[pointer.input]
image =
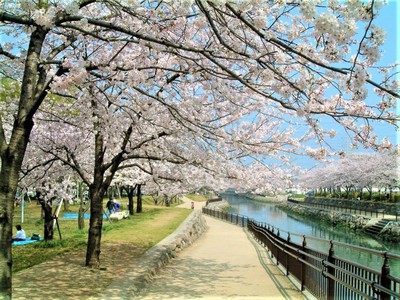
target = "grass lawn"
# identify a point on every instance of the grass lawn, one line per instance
(143, 230)
(197, 197)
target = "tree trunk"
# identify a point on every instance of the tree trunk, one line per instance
(166, 201)
(12, 154)
(97, 191)
(130, 190)
(81, 217)
(11, 161)
(96, 224)
(47, 213)
(110, 194)
(48, 221)
(8, 187)
(66, 205)
(81, 211)
(119, 192)
(139, 199)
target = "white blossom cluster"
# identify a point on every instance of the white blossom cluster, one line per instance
(355, 172)
(201, 91)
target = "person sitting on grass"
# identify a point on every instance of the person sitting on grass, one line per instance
(116, 205)
(20, 236)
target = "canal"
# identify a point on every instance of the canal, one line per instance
(271, 214)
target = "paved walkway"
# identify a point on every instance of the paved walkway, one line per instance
(225, 262)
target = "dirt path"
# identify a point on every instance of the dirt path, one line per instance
(68, 278)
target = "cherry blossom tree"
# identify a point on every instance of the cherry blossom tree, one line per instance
(112, 133)
(389, 168)
(156, 145)
(356, 172)
(241, 77)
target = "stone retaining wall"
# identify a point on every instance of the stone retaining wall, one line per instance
(157, 257)
(218, 205)
(391, 232)
(389, 208)
(353, 221)
(260, 198)
(333, 217)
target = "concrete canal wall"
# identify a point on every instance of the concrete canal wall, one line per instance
(218, 204)
(391, 232)
(389, 208)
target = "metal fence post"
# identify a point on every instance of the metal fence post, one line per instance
(303, 266)
(385, 281)
(331, 271)
(287, 254)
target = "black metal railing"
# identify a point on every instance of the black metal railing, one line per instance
(232, 218)
(360, 210)
(323, 274)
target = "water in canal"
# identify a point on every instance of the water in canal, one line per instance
(269, 213)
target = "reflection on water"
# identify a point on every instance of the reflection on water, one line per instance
(270, 214)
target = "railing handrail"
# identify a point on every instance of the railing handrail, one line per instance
(344, 245)
(333, 206)
(335, 274)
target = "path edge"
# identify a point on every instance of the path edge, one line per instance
(155, 258)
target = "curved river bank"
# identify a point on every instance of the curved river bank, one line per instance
(269, 213)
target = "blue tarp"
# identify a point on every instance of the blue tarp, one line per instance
(27, 241)
(75, 216)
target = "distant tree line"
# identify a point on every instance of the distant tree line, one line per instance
(363, 176)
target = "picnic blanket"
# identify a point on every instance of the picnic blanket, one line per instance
(75, 216)
(27, 241)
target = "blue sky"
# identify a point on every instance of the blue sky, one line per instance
(389, 20)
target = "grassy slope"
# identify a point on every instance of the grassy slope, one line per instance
(144, 230)
(197, 197)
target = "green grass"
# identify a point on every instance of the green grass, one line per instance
(297, 196)
(197, 197)
(143, 230)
